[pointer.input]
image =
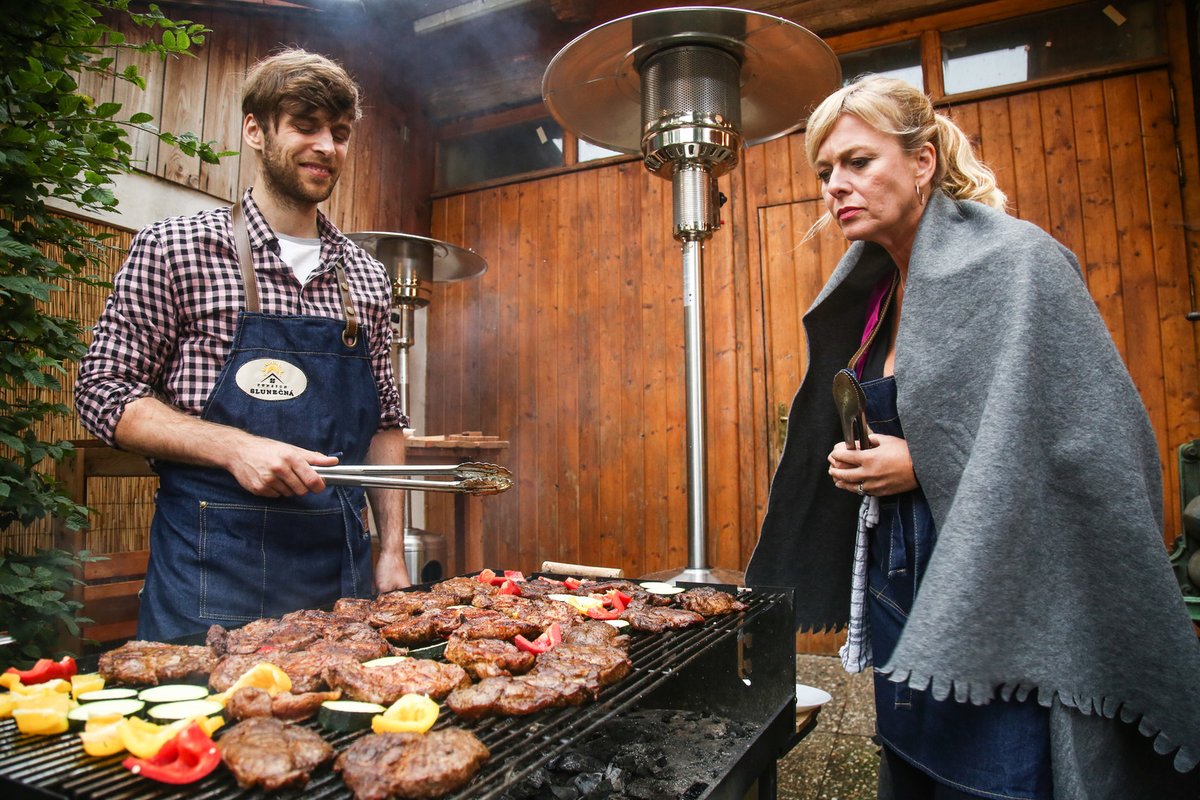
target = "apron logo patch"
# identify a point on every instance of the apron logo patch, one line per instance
(271, 379)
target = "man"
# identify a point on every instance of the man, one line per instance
(239, 375)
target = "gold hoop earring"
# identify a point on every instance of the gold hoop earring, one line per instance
(920, 195)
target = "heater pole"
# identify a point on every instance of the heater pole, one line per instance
(693, 343)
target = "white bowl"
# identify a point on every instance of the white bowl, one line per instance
(810, 697)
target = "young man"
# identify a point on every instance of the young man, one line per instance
(239, 349)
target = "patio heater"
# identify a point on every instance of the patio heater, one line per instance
(686, 87)
(413, 263)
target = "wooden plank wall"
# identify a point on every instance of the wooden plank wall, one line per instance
(570, 346)
(386, 185)
(387, 182)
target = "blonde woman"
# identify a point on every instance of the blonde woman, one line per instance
(1009, 583)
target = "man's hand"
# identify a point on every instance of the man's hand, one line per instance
(264, 467)
(269, 468)
(391, 572)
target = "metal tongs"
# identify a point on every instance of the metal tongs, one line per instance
(471, 477)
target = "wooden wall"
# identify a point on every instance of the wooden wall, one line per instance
(570, 346)
(387, 182)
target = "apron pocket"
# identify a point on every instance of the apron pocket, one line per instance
(262, 561)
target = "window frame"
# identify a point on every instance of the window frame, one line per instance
(927, 29)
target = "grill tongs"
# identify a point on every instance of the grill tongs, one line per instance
(470, 477)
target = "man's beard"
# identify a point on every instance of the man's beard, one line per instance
(283, 178)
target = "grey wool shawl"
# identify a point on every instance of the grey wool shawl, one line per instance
(1037, 457)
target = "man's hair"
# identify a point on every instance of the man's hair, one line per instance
(298, 82)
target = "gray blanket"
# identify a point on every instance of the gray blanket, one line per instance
(1039, 463)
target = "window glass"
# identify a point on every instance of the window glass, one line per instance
(1060, 42)
(497, 153)
(591, 152)
(901, 60)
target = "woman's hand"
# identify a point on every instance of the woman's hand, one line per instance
(884, 469)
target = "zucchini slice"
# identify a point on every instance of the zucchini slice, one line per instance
(173, 693)
(77, 717)
(184, 709)
(658, 587)
(107, 694)
(344, 716)
(386, 661)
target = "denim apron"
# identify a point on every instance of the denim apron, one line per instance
(221, 555)
(1001, 749)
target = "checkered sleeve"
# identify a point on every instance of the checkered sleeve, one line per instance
(380, 332)
(131, 341)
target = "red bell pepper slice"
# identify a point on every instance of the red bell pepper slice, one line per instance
(514, 575)
(572, 583)
(550, 637)
(485, 576)
(614, 603)
(44, 670)
(508, 587)
(185, 758)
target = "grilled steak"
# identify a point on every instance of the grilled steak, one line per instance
(251, 701)
(657, 620)
(593, 631)
(511, 696)
(270, 753)
(385, 685)
(151, 663)
(356, 608)
(461, 590)
(432, 625)
(567, 675)
(411, 765)
(393, 607)
(710, 602)
(306, 669)
(486, 658)
(295, 632)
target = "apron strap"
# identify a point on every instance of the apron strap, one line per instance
(883, 310)
(241, 239)
(350, 334)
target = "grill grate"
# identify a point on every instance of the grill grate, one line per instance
(57, 767)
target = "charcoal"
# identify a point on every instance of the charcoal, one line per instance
(575, 762)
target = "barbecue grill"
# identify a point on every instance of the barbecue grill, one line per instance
(740, 667)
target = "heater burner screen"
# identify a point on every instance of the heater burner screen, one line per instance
(697, 81)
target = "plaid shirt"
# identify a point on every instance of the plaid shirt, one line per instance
(169, 323)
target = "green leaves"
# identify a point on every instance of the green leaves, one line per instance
(56, 142)
(34, 600)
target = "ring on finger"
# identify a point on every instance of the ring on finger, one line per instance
(861, 491)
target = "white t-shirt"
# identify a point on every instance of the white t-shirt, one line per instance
(302, 255)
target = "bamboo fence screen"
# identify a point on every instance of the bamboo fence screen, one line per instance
(121, 508)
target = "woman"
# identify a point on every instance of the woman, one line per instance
(1023, 620)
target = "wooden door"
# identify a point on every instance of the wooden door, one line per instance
(1094, 164)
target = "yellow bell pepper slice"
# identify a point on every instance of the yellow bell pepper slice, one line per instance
(58, 685)
(57, 702)
(91, 682)
(40, 721)
(7, 703)
(412, 713)
(144, 739)
(210, 725)
(8, 680)
(101, 736)
(267, 677)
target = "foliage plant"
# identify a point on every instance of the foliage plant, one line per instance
(57, 142)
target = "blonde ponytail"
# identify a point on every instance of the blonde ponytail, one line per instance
(963, 175)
